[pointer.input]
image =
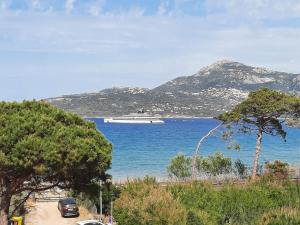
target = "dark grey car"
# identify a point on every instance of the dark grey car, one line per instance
(68, 207)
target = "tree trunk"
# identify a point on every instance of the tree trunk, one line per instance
(257, 153)
(197, 150)
(5, 198)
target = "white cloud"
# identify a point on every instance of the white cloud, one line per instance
(95, 8)
(148, 38)
(4, 4)
(35, 4)
(255, 9)
(86, 53)
(69, 5)
(135, 12)
(162, 8)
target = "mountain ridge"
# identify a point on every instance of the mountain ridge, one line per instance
(212, 90)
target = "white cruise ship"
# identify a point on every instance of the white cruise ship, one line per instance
(139, 118)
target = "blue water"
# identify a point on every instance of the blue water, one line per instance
(146, 149)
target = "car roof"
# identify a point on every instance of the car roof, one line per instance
(89, 221)
(68, 200)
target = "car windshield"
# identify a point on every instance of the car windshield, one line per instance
(69, 201)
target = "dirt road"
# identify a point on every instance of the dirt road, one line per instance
(46, 213)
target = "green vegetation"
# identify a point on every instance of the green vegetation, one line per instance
(282, 216)
(43, 147)
(263, 112)
(215, 164)
(202, 203)
(147, 203)
(89, 198)
(278, 169)
(241, 168)
(270, 200)
(181, 166)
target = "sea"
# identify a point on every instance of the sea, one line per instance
(147, 149)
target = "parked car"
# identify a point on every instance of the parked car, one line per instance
(68, 207)
(89, 222)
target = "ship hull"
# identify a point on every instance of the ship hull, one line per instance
(134, 121)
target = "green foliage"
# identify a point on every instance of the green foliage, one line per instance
(180, 167)
(89, 198)
(198, 203)
(278, 169)
(149, 180)
(198, 217)
(263, 108)
(235, 204)
(262, 112)
(40, 144)
(148, 204)
(37, 139)
(240, 168)
(215, 164)
(263, 103)
(282, 216)
(193, 218)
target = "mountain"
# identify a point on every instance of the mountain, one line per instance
(212, 90)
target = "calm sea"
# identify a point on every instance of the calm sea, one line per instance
(146, 149)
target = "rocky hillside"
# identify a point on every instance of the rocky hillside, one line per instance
(214, 89)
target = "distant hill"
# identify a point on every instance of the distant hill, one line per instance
(212, 90)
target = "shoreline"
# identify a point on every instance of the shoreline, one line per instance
(165, 178)
(213, 180)
(147, 150)
(163, 117)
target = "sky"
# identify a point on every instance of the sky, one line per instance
(51, 48)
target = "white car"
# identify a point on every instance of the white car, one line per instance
(89, 222)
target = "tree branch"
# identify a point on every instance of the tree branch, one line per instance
(20, 204)
(198, 148)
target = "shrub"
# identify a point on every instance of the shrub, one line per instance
(235, 204)
(195, 203)
(288, 216)
(198, 217)
(215, 164)
(148, 204)
(180, 167)
(277, 168)
(90, 197)
(240, 168)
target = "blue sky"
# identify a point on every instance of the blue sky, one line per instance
(53, 47)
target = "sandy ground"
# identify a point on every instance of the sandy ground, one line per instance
(46, 213)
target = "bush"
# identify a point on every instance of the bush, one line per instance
(236, 204)
(278, 169)
(288, 216)
(198, 217)
(180, 167)
(90, 197)
(215, 164)
(195, 203)
(240, 168)
(143, 203)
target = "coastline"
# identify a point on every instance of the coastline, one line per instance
(162, 117)
(147, 150)
(164, 177)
